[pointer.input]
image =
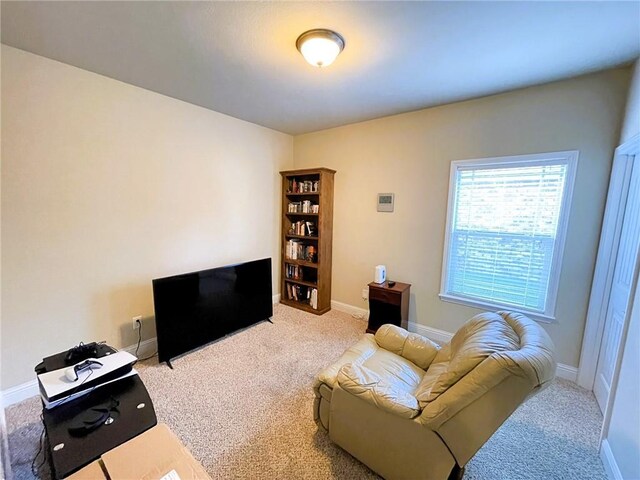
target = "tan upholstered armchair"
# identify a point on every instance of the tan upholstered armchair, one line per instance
(410, 409)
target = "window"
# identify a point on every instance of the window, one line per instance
(506, 224)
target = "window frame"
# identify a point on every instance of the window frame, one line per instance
(570, 158)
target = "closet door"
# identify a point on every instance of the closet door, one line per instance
(621, 290)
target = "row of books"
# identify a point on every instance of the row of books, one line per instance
(303, 229)
(297, 272)
(296, 250)
(303, 186)
(303, 207)
(304, 294)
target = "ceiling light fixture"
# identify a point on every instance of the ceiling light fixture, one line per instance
(320, 47)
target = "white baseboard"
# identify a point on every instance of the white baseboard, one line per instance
(19, 393)
(609, 461)
(566, 372)
(357, 312)
(29, 389)
(276, 298)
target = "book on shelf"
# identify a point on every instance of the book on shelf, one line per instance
(305, 206)
(303, 186)
(303, 228)
(294, 272)
(303, 294)
(310, 229)
(298, 250)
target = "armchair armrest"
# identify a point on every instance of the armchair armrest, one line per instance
(357, 354)
(367, 385)
(412, 346)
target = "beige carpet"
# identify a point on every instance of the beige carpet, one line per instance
(243, 406)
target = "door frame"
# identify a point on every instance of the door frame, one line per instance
(623, 162)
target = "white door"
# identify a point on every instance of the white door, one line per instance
(621, 286)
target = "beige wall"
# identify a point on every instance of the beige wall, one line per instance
(624, 428)
(106, 186)
(410, 155)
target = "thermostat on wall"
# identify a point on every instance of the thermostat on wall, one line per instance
(385, 202)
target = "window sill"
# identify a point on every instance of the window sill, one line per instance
(539, 317)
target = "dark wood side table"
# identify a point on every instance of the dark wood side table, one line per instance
(388, 305)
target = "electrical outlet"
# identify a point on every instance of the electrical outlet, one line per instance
(365, 294)
(137, 322)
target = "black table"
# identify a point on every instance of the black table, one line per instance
(69, 453)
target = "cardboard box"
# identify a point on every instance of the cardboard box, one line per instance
(156, 454)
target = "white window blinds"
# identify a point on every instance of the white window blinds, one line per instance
(504, 231)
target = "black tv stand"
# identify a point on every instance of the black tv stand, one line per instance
(69, 452)
(270, 321)
(169, 364)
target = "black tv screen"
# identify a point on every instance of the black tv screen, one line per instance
(196, 308)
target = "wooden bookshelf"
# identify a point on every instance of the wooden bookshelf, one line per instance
(309, 235)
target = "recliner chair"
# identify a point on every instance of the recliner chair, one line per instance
(410, 409)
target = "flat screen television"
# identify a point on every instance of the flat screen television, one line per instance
(196, 308)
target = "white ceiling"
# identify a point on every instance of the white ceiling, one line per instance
(239, 58)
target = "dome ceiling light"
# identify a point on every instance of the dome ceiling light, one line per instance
(320, 46)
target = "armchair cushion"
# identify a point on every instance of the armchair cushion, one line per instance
(395, 369)
(366, 384)
(476, 340)
(415, 348)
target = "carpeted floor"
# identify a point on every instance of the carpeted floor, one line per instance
(243, 407)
